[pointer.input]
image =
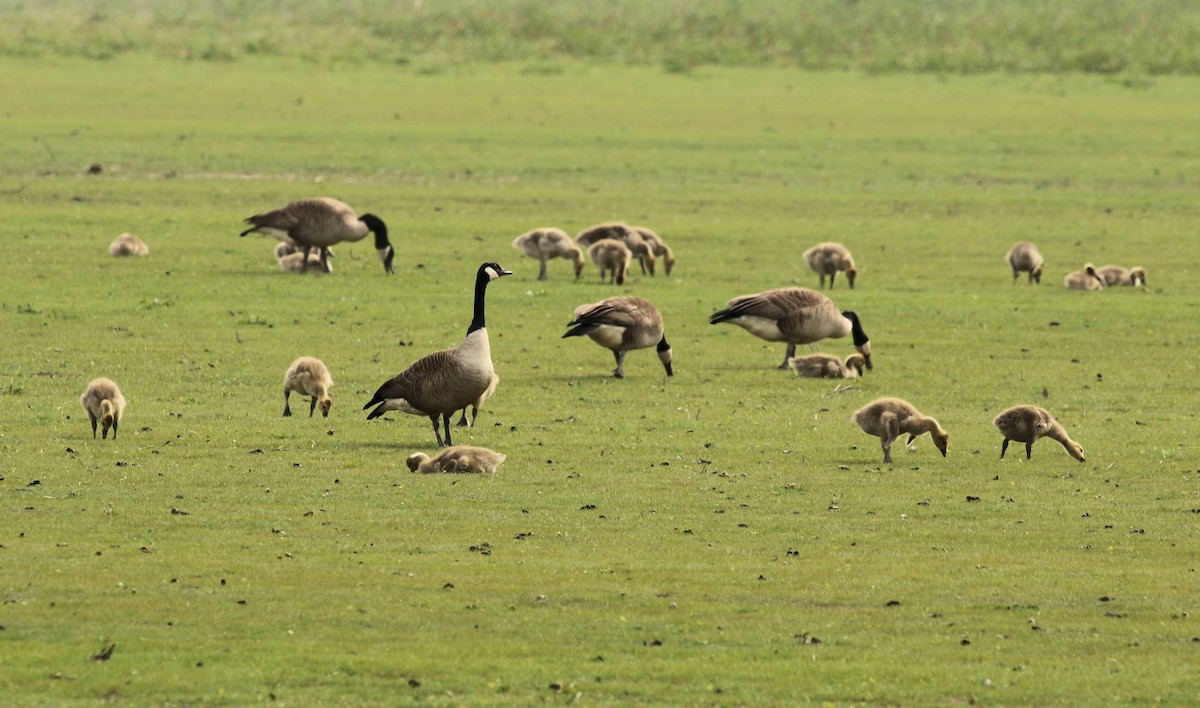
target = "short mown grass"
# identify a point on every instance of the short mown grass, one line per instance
(727, 536)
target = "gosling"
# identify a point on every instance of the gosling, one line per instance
(291, 259)
(887, 418)
(828, 366)
(460, 458)
(1028, 424)
(611, 256)
(308, 376)
(1086, 279)
(1116, 275)
(546, 243)
(104, 404)
(1024, 257)
(828, 259)
(128, 245)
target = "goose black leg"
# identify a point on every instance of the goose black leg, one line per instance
(1003, 448)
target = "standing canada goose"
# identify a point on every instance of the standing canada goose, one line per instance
(1028, 424)
(308, 376)
(460, 458)
(828, 259)
(321, 223)
(622, 324)
(1116, 275)
(128, 245)
(827, 366)
(462, 422)
(795, 316)
(104, 403)
(660, 247)
(638, 246)
(291, 259)
(1086, 279)
(1024, 257)
(441, 383)
(611, 255)
(546, 243)
(888, 418)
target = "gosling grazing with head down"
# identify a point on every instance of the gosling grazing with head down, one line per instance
(795, 316)
(1117, 275)
(638, 247)
(828, 366)
(446, 381)
(622, 324)
(888, 418)
(308, 376)
(660, 247)
(1024, 257)
(1086, 279)
(128, 245)
(1028, 424)
(460, 458)
(319, 224)
(549, 242)
(829, 259)
(611, 256)
(104, 404)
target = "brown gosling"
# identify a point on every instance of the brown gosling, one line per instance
(462, 422)
(622, 324)
(660, 247)
(291, 259)
(128, 245)
(1086, 279)
(308, 376)
(444, 382)
(611, 255)
(795, 316)
(632, 238)
(460, 458)
(828, 259)
(1116, 275)
(888, 418)
(104, 403)
(549, 242)
(1024, 257)
(827, 366)
(1028, 424)
(320, 223)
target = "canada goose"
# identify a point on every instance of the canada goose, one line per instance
(1029, 423)
(1086, 279)
(546, 243)
(622, 324)
(887, 418)
(795, 316)
(1024, 257)
(460, 458)
(827, 366)
(441, 383)
(321, 223)
(104, 403)
(611, 255)
(128, 245)
(462, 422)
(1116, 275)
(308, 376)
(291, 259)
(828, 259)
(639, 248)
(660, 247)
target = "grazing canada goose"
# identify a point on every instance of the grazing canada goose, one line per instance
(321, 223)
(660, 247)
(1116, 275)
(460, 458)
(795, 316)
(638, 246)
(441, 383)
(1024, 257)
(128, 245)
(888, 418)
(308, 376)
(1027, 424)
(546, 243)
(611, 255)
(1086, 279)
(827, 366)
(828, 259)
(462, 422)
(291, 259)
(104, 403)
(622, 324)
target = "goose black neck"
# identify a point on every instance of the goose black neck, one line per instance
(377, 227)
(481, 282)
(856, 330)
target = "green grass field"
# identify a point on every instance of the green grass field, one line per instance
(724, 537)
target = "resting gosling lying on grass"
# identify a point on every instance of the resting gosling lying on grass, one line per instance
(308, 376)
(104, 403)
(1023, 257)
(1116, 275)
(1086, 279)
(828, 366)
(291, 259)
(887, 418)
(460, 458)
(128, 245)
(1028, 424)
